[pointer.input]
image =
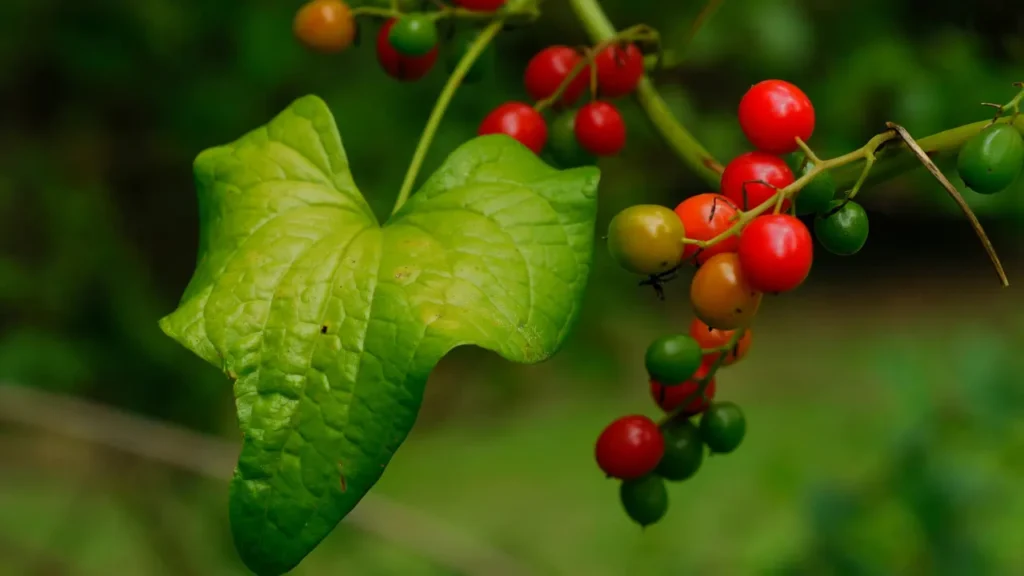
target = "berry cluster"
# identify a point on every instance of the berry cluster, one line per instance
(745, 240)
(558, 76)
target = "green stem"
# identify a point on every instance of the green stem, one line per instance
(599, 28)
(443, 100)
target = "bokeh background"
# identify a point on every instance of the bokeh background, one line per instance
(884, 398)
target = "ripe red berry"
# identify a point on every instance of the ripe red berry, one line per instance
(600, 128)
(630, 447)
(480, 5)
(549, 68)
(741, 179)
(670, 398)
(399, 66)
(619, 70)
(519, 121)
(704, 217)
(775, 252)
(773, 114)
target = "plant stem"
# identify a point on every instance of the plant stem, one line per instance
(443, 100)
(599, 28)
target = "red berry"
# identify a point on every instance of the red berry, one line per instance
(619, 70)
(549, 68)
(399, 66)
(740, 175)
(630, 447)
(519, 121)
(775, 252)
(773, 114)
(705, 216)
(480, 5)
(600, 128)
(670, 398)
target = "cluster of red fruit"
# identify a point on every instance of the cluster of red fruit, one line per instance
(745, 241)
(559, 76)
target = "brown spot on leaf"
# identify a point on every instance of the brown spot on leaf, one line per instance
(344, 485)
(323, 329)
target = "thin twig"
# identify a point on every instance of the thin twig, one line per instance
(214, 458)
(978, 229)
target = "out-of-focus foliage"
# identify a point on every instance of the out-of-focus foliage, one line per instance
(105, 103)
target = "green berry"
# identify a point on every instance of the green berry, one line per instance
(722, 427)
(991, 160)
(672, 360)
(565, 148)
(817, 194)
(684, 450)
(645, 499)
(413, 35)
(843, 229)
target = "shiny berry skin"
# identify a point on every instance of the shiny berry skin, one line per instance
(549, 68)
(644, 499)
(776, 253)
(720, 294)
(750, 167)
(773, 114)
(669, 398)
(704, 217)
(684, 450)
(398, 66)
(842, 230)
(565, 150)
(325, 26)
(600, 128)
(619, 70)
(480, 5)
(992, 159)
(645, 239)
(722, 427)
(519, 121)
(673, 359)
(630, 447)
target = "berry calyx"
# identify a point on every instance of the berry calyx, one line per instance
(670, 398)
(563, 146)
(325, 26)
(773, 114)
(549, 68)
(600, 128)
(776, 252)
(722, 427)
(519, 121)
(704, 217)
(708, 337)
(721, 295)
(673, 359)
(398, 66)
(619, 70)
(991, 160)
(480, 5)
(645, 239)
(843, 230)
(684, 450)
(630, 447)
(644, 499)
(752, 178)
(413, 35)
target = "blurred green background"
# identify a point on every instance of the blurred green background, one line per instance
(883, 398)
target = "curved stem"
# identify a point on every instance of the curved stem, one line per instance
(599, 28)
(443, 100)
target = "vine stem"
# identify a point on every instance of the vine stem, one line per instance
(599, 28)
(443, 101)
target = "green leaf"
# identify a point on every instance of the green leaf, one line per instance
(329, 323)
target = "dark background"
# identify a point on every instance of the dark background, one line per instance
(883, 397)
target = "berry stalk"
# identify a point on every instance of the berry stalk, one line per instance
(704, 381)
(443, 100)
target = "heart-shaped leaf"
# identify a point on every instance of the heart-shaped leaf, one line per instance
(329, 323)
